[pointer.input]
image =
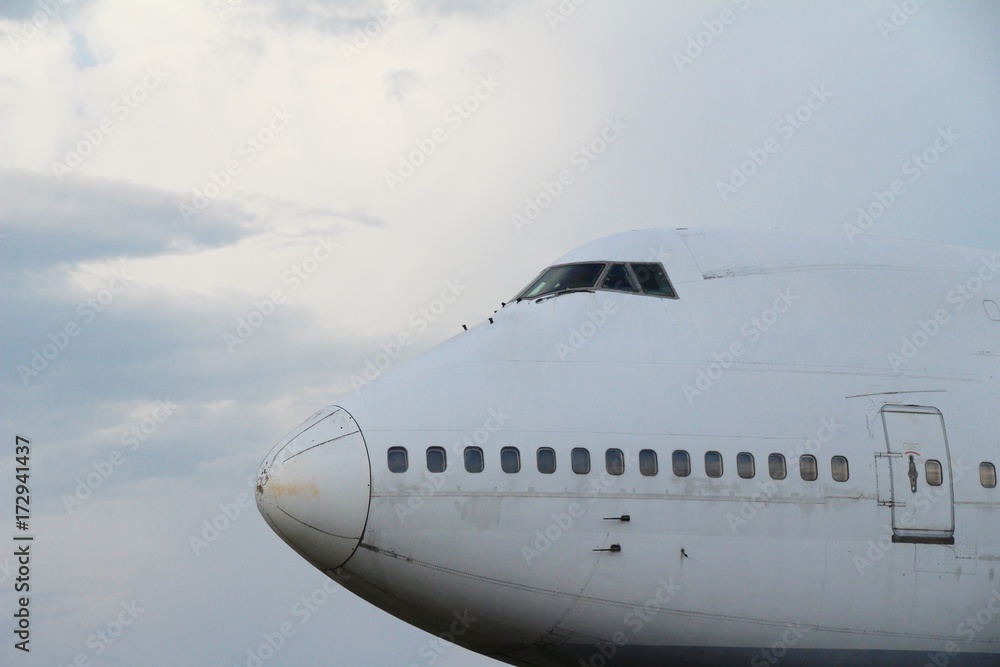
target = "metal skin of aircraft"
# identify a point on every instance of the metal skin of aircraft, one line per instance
(681, 447)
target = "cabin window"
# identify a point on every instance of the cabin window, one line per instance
(933, 473)
(648, 465)
(839, 469)
(579, 460)
(987, 475)
(562, 278)
(546, 459)
(398, 461)
(681, 461)
(617, 279)
(776, 466)
(510, 460)
(436, 459)
(992, 310)
(614, 461)
(744, 465)
(473, 459)
(653, 280)
(713, 464)
(808, 468)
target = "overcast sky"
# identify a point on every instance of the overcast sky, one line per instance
(213, 213)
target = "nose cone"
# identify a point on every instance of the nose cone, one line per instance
(314, 488)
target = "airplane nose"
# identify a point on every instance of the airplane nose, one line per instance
(314, 488)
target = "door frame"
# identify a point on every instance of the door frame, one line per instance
(890, 466)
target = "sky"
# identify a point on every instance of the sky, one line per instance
(215, 213)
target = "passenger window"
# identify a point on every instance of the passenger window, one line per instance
(987, 475)
(776, 466)
(713, 464)
(682, 463)
(653, 280)
(436, 459)
(473, 459)
(398, 461)
(648, 465)
(933, 473)
(546, 459)
(614, 461)
(579, 460)
(992, 310)
(808, 468)
(617, 278)
(510, 460)
(839, 470)
(744, 465)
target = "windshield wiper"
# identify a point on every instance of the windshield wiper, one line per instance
(566, 290)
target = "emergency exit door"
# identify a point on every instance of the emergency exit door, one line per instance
(920, 475)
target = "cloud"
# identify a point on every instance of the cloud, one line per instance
(82, 219)
(21, 10)
(339, 18)
(299, 218)
(344, 18)
(399, 83)
(38, 14)
(480, 10)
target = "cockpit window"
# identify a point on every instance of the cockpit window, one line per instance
(562, 278)
(653, 279)
(617, 279)
(636, 277)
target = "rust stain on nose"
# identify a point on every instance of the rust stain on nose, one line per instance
(303, 489)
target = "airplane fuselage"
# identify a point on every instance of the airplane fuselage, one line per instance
(787, 454)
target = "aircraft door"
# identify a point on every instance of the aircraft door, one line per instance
(921, 495)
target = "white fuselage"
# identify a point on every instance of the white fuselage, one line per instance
(877, 359)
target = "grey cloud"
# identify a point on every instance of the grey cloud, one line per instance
(307, 217)
(345, 17)
(479, 9)
(400, 83)
(48, 221)
(19, 10)
(159, 344)
(336, 18)
(26, 10)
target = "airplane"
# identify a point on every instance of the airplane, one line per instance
(681, 447)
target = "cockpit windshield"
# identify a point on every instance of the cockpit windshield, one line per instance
(653, 279)
(636, 277)
(564, 278)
